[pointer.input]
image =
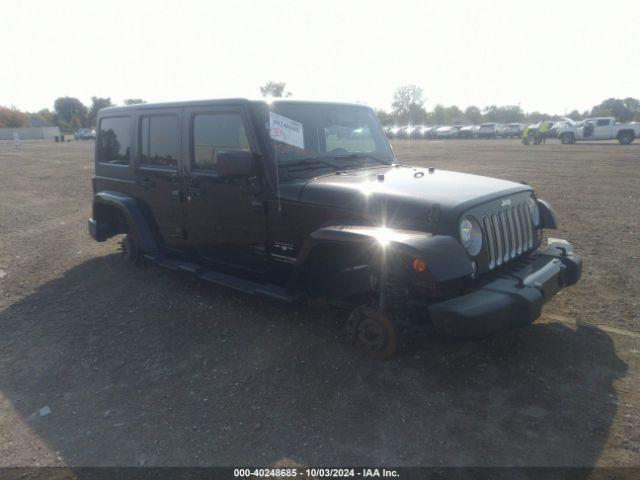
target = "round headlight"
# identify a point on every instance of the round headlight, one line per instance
(535, 212)
(471, 235)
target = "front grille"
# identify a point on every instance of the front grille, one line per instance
(508, 233)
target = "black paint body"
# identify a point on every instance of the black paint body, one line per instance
(321, 232)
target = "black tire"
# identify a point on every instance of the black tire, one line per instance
(625, 138)
(373, 332)
(130, 250)
(567, 139)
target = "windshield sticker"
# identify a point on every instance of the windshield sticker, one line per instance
(285, 130)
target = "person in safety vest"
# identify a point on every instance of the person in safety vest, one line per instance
(543, 131)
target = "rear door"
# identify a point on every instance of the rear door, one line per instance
(603, 128)
(225, 217)
(158, 174)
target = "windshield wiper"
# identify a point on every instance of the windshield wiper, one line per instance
(315, 162)
(363, 156)
(306, 162)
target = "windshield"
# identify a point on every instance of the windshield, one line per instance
(328, 131)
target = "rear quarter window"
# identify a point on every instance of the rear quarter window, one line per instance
(114, 140)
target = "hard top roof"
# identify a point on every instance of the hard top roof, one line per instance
(226, 101)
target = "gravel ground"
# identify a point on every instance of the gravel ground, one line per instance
(102, 363)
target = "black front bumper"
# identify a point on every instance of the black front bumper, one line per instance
(510, 298)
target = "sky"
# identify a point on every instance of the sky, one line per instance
(544, 55)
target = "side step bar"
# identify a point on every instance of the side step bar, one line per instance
(239, 284)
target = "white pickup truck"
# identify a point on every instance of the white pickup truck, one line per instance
(600, 128)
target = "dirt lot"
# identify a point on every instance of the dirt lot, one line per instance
(142, 366)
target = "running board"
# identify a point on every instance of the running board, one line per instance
(239, 284)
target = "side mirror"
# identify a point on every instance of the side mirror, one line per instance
(235, 164)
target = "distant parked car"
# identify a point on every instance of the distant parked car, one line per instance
(392, 131)
(448, 132)
(560, 125)
(426, 130)
(433, 132)
(488, 130)
(468, 131)
(403, 132)
(422, 131)
(415, 131)
(512, 130)
(409, 131)
(85, 134)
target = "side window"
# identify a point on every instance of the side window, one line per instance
(114, 140)
(603, 123)
(159, 141)
(214, 133)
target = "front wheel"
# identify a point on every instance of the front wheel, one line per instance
(373, 332)
(567, 138)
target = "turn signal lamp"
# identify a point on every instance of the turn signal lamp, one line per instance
(419, 265)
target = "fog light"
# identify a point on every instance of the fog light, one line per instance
(419, 265)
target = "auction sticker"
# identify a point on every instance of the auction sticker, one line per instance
(286, 130)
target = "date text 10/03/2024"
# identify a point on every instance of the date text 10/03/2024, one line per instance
(316, 472)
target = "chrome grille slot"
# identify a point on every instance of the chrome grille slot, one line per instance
(495, 223)
(527, 215)
(516, 214)
(512, 231)
(506, 237)
(491, 242)
(523, 225)
(508, 233)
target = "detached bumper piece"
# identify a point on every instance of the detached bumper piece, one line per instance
(512, 297)
(93, 229)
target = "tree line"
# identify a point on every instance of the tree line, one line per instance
(68, 113)
(408, 108)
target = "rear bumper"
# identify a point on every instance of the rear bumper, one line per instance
(512, 298)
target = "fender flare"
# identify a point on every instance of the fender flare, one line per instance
(446, 259)
(133, 215)
(548, 217)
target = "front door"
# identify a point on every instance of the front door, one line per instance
(157, 171)
(225, 217)
(588, 129)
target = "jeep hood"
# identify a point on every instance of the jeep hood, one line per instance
(401, 192)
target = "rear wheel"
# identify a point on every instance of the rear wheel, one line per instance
(373, 332)
(625, 138)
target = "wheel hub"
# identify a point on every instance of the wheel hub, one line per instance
(372, 331)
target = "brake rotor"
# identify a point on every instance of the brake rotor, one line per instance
(373, 332)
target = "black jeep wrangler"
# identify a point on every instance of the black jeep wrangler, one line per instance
(306, 200)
